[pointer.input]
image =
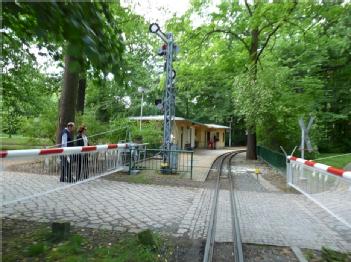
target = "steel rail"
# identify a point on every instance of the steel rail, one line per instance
(208, 253)
(237, 244)
(210, 241)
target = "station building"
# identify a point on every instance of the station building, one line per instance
(190, 134)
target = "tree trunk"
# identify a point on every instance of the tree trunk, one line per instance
(81, 95)
(68, 96)
(251, 146)
(251, 136)
(253, 52)
(102, 112)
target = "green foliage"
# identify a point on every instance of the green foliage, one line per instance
(120, 130)
(90, 28)
(70, 250)
(300, 67)
(309, 255)
(141, 178)
(25, 89)
(333, 159)
(94, 127)
(36, 249)
(73, 250)
(73, 246)
(146, 238)
(43, 125)
(122, 251)
(330, 255)
(150, 132)
(20, 142)
(37, 245)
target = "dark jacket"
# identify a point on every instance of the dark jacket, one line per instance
(80, 141)
(70, 143)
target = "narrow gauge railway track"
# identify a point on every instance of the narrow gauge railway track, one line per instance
(223, 178)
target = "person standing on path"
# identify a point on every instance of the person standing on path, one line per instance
(66, 161)
(82, 160)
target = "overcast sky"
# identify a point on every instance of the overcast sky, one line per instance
(157, 10)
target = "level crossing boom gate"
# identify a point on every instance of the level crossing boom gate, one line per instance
(35, 172)
(326, 186)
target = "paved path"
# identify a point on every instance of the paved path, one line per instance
(270, 216)
(19, 185)
(203, 160)
(112, 205)
(266, 215)
(285, 219)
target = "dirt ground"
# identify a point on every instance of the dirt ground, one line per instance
(253, 253)
(155, 178)
(277, 179)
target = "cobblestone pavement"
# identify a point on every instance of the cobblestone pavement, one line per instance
(334, 202)
(18, 185)
(224, 218)
(267, 216)
(280, 219)
(114, 205)
(284, 219)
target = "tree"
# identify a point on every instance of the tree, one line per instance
(84, 30)
(252, 26)
(25, 88)
(270, 57)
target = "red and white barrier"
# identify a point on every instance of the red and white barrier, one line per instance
(59, 151)
(332, 170)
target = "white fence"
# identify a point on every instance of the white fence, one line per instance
(327, 186)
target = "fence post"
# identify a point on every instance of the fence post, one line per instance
(130, 161)
(191, 166)
(288, 171)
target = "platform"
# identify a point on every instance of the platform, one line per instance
(203, 159)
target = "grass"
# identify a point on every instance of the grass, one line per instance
(339, 160)
(21, 142)
(335, 256)
(327, 255)
(40, 246)
(36, 249)
(140, 179)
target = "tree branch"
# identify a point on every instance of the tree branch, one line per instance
(264, 27)
(227, 32)
(266, 42)
(274, 31)
(248, 8)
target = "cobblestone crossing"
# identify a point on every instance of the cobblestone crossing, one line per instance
(266, 216)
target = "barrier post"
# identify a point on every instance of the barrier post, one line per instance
(191, 165)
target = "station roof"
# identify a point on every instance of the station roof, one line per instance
(160, 118)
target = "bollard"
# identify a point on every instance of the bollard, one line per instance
(60, 230)
(257, 172)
